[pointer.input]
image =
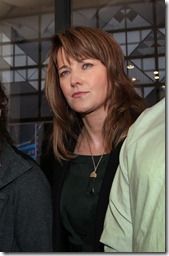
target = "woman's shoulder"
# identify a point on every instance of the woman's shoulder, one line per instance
(20, 166)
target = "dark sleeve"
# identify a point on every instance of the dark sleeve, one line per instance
(33, 212)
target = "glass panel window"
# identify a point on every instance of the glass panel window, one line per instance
(120, 37)
(6, 76)
(27, 137)
(133, 37)
(149, 64)
(20, 60)
(25, 106)
(162, 62)
(47, 25)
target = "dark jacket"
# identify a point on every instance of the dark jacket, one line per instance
(56, 174)
(25, 204)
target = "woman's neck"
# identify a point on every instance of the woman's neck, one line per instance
(91, 136)
(90, 140)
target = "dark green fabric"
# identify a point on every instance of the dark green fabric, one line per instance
(77, 208)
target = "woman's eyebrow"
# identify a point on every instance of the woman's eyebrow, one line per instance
(64, 66)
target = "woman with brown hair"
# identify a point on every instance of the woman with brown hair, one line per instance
(94, 103)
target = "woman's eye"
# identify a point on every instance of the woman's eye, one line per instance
(64, 73)
(87, 65)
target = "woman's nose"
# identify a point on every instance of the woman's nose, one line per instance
(75, 78)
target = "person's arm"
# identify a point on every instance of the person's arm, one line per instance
(117, 233)
(135, 220)
(33, 212)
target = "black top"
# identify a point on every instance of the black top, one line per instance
(56, 173)
(78, 206)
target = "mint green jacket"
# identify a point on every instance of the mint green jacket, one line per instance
(135, 218)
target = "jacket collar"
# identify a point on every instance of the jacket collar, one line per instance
(12, 165)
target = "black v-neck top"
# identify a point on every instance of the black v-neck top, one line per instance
(77, 207)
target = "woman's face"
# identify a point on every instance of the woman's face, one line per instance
(84, 84)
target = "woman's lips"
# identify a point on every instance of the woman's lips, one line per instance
(78, 94)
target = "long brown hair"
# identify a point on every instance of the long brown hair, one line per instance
(125, 104)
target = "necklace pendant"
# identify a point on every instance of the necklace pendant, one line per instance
(93, 174)
(91, 186)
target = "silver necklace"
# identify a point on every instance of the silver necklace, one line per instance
(93, 174)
